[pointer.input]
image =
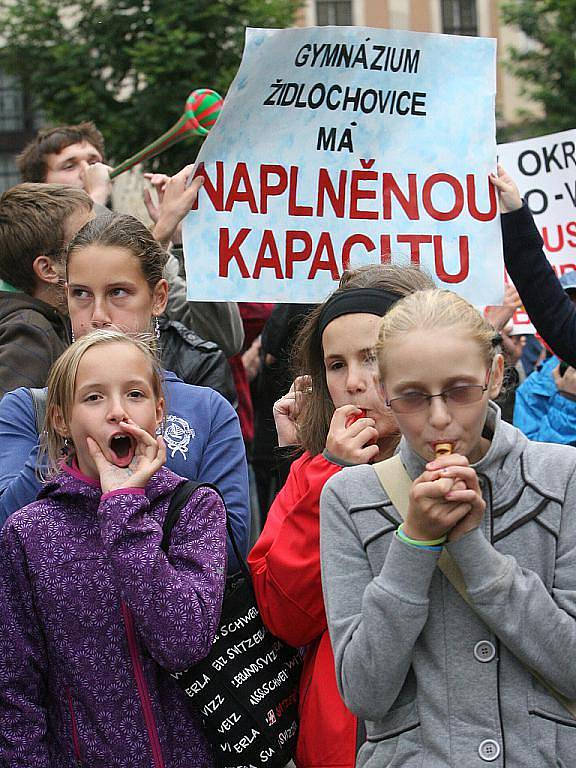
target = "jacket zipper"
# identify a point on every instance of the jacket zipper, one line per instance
(75, 737)
(142, 688)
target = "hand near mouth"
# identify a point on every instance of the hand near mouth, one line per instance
(445, 500)
(352, 436)
(149, 457)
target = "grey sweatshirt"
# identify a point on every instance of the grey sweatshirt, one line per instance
(441, 685)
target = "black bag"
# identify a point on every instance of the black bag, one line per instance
(246, 689)
(195, 360)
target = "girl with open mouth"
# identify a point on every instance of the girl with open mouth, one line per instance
(93, 613)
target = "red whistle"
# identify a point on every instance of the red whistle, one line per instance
(354, 417)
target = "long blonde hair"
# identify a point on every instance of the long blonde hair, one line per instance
(62, 386)
(433, 310)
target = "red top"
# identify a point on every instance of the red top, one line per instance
(285, 567)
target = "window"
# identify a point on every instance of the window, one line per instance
(9, 174)
(11, 104)
(459, 17)
(334, 13)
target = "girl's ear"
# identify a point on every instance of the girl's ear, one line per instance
(58, 422)
(497, 377)
(160, 409)
(160, 297)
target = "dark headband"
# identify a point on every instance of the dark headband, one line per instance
(372, 301)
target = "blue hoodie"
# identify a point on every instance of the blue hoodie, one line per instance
(541, 411)
(202, 436)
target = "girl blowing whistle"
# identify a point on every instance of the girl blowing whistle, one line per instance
(443, 682)
(341, 420)
(90, 607)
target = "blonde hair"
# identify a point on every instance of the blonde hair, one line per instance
(308, 358)
(62, 386)
(433, 310)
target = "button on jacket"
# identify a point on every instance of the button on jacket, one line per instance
(442, 685)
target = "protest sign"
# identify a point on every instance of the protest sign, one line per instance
(545, 171)
(337, 146)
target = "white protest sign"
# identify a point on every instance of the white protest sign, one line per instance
(337, 146)
(545, 171)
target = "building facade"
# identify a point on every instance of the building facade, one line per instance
(17, 126)
(453, 17)
(460, 17)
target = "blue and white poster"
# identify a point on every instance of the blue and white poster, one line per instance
(342, 146)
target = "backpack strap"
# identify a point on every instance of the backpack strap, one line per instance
(177, 503)
(397, 483)
(39, 396)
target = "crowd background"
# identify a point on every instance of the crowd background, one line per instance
(279, 407)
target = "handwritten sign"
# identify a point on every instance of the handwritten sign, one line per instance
(345, 146)
(545, 171)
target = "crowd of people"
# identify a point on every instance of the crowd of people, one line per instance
(396, 469)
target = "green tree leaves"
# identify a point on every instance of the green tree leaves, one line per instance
(129, 65)
(548, 65)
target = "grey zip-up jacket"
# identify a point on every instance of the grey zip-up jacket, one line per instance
(441, 685)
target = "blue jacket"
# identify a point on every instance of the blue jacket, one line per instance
(541, 412)
(202, 436)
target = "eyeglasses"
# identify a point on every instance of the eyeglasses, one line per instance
(453, 396)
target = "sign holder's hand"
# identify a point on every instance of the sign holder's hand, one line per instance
(178, 197)
(508, 193)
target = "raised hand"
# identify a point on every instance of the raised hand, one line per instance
(149, 457)
(178, 197)
(287, 409)
(566, 383)
(157, 181)
(96, 181)
(508, 193)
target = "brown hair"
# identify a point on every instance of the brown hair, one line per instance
(431, 310)
(32, 219)
(317, 407)
(120, 230)
(51, 141)
(62, 386)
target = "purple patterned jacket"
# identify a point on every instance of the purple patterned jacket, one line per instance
(91, 610)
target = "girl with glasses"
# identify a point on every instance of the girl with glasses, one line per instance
(342, 421)
(452, 609)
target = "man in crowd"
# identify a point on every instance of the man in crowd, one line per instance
(36, 222)
(73, 155)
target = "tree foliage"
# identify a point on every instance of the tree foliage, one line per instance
(129, 65)
(548, 65)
